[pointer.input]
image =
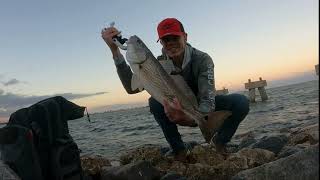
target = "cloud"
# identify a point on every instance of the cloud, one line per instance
(78, 96)
(11, 82)
(10, 102)
(297, 78)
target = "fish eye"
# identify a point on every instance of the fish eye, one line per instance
(139, 41)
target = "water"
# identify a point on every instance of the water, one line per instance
(111, 133)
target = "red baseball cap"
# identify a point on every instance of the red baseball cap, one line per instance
(170, 26)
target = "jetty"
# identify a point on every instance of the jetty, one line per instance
(223, 91)
(260, 85)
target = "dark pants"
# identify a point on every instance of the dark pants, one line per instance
(238, 104)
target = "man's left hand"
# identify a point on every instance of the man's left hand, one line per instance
(175, 114)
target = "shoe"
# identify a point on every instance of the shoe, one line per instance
(181, 156)
(169, 154)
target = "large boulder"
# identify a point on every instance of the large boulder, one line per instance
(247, 139)
(203, 161)
(206, 163)
(309, 134)
(288, 150)
(173, 176)
(92, 165)
(302, 165)
(249, 158)
(206, 155)
(138, 170)
(150, 153)
(272, 143)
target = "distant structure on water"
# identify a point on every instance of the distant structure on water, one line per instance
(252, 85)
(317, 69)
(223, 91)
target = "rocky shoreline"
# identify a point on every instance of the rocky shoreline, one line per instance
(292, 153)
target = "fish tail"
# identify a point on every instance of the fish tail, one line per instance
(213, 122)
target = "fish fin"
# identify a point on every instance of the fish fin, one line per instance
(136, 83)
(214, 122)
(182, 85)
(167, 65)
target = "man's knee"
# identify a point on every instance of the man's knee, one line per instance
(155, 106)
(241, 104)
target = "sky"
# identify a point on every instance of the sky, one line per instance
(50, 48)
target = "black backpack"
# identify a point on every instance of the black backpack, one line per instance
(36, 142)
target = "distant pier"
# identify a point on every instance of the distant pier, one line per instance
(223, 91)
(317, 69)
(252, 85)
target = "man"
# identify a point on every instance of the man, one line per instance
(197, 69)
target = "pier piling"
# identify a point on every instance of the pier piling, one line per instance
(252, 85)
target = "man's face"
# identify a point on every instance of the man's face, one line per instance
(174, 45)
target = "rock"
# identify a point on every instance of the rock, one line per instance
(236, 160)
(284, 130)
(164, 150)
(150, 153)
(247, 141)
(302, 165)
(138, 170)
(87, 177)
(232, 147)
(173, 176)
(249, 158)
(6, 173)
(200, 172)
(206, 155)
(208, 164)
(92, 165)
(176, 166)
(309, 134)
(244, 135)
(115, 163)
(288, 150)
(203, 162)
(271, 143)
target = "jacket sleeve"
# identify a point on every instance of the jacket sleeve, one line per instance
(125, 74)
(206, 85)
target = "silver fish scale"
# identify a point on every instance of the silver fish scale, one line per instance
(161, 86)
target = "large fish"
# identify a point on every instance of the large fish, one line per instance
(150, 75)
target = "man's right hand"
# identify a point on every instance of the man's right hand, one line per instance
(107, 34)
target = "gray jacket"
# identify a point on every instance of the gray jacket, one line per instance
(198, 74)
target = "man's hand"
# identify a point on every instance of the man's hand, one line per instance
(107, 34)
(175, 114)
